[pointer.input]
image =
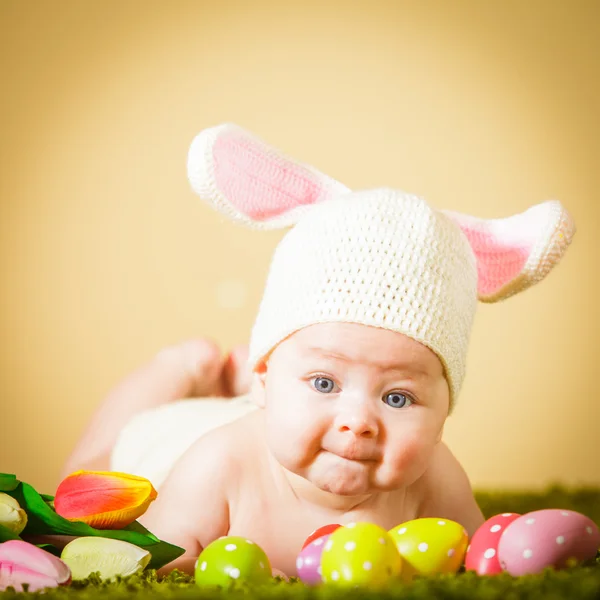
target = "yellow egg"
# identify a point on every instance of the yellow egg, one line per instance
(360, 554)
(430, 545)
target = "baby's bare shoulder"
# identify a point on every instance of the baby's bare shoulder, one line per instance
(229, 446)
(445, 491)
(193, 504)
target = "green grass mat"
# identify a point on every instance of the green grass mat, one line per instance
(578, 582)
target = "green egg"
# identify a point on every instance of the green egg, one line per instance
(360, 554)
(231, 559)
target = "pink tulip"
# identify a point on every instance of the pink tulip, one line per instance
(23, 563)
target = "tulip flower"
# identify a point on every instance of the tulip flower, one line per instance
(23, 563)
(86, 555)
(12, 516)
(104, 500)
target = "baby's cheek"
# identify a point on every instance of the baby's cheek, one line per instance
(292, 438)
(407, 461)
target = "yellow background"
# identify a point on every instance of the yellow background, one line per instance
(106, 254)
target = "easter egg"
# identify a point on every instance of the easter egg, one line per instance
(308, 563)
(232, 558)
(482, 552)
(547, 538)
(320, 532)
(360, 554)
(430, 545)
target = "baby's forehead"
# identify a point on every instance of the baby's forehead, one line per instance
(361, 344)
(337, 335)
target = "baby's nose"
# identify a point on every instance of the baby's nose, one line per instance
(359, 421)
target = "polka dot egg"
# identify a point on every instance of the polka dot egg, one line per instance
(430, 545)
(482, 552)
(320, 532)
(360, 554)
(308, 563)
(230, 559)
(547, 538)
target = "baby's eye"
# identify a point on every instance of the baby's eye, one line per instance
(323, 384)
(397, 400)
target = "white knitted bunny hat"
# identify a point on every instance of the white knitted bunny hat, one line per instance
(378, 257)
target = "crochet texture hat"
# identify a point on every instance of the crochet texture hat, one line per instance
(378, 257)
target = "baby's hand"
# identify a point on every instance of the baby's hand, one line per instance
(278, 573)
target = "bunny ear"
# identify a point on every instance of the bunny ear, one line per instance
(249, 181)
(516, 252)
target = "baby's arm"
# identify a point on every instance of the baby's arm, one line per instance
(192, 507)
(447, 492)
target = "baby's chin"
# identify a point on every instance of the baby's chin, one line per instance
(354, 478)
(343, 477)
(344, 487)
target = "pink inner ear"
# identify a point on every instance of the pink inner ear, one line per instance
(258, 184)
(500, 258)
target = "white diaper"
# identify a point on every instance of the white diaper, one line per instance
(152, 441)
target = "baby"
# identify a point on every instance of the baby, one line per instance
(356, 359)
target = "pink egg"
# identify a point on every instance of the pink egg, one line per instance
(308, 563)
(547, 538)
(482, 553)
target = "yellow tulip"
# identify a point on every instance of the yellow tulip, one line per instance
(12, 516)
(110, 558)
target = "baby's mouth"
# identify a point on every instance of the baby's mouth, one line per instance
(353, 456)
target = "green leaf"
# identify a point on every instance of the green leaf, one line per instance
(8, 482)
(49, 500)
(50, 548)
(162, 553)
(135, 526)
(6, 534)
(43, 520)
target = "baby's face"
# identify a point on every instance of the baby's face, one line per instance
(354, 409)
